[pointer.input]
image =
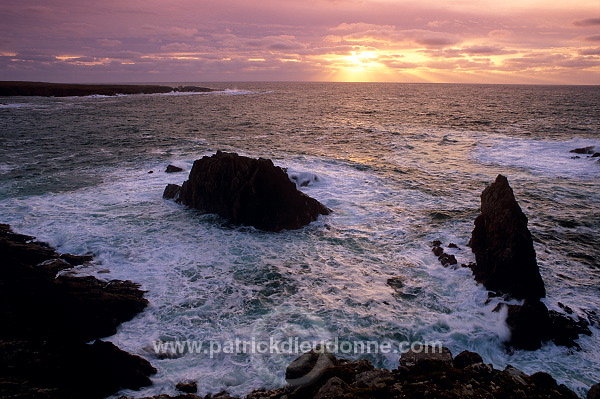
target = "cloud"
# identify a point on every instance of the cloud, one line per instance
(587, 22)
(487, 50)
(282, 42)
(593, 38)
(590, 51)
(108, 42)
(425, 38)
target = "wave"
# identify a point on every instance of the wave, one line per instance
(542, 157)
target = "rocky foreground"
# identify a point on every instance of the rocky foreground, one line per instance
(424, 373)
(68, 90)
(48, 320)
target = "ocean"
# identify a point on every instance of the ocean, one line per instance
(400, 165)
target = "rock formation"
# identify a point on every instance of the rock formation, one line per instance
(506, 264)
(246, 191)
(47, 322)
(503, 247)
(431, 374)
(173, 169)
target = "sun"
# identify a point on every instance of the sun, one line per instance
(362, 59)
(357, 66)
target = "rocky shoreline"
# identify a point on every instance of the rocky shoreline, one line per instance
(45, 89)
(48, 320)
(425, 372)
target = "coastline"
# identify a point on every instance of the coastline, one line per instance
(45, 89)
(50, 319)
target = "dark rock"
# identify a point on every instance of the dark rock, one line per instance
(453, 245)
(187, 386)
(396, 283)
(583, 150)
(437, 251)
(309, 368)
(466, 358)
(173, 169)
(76, 260)
(503, 246)
(529, 324)
(248, 191)
(303, 179)
(193, 89)
(171, 191)
(422, 353)
(596, 155)
(576, 157)
(436, 243)
(543, 380)
(150, 171)
(564, 330)
(447, 259)
(516, 375)
(565, 308)
(334, 388)
(48, 320)
(374, 379)
(594, 392)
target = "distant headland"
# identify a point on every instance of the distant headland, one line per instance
(45, 89)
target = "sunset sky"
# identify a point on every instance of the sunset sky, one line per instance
(471, 41)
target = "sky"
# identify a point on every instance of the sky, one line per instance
(463, 41)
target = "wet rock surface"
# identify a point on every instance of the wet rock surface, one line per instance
(503, 246)
(246, 191)
(433, 375)
(48, 321)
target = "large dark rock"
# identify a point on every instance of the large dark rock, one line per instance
(503, 247)
(48, 320)
(247, 191)
(529, 324)
(466, 358)
(594, 392)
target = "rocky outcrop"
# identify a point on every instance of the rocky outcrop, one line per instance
(445, 259)
(584, 150)
(503, 246)
(432, 374)
(506, 264)
(246, 191)
(67, 90)
(173, 169)
(48, 318)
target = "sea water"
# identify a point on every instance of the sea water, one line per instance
(400, 165)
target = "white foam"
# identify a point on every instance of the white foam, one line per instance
(209, 281)
(541, 157)
(15, 105)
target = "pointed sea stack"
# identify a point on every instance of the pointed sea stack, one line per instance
(246, 191)
(503, 247)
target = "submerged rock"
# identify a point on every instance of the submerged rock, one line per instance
(503, 246)
(246, 191)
